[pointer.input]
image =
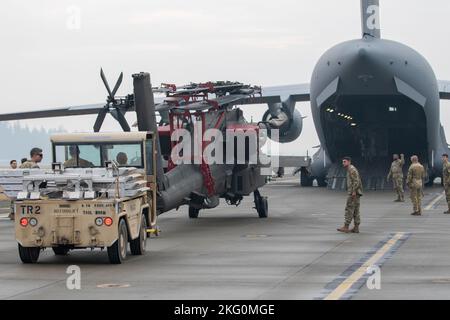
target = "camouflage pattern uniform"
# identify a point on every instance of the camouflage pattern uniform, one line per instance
(72, 163)
(446, 181)
(29, 164)
(354, 185)
(396, 173)
(416, 174)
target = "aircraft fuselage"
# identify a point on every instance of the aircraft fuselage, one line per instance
(371, 98)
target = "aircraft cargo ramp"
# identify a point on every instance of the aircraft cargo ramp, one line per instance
(373, 176)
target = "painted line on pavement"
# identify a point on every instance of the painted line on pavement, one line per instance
(435, 201)
(353, 279)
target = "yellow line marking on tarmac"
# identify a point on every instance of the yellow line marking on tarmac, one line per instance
(436, 200)
(340, 291)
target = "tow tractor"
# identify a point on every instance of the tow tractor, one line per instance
(99, 193)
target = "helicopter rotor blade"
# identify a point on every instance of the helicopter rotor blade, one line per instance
(118, 83)
(105, 82)
(120, 117)
(100, 118)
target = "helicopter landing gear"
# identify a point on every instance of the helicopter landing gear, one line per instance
(193, 212)
(261, 204)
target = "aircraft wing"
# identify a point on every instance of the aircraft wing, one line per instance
(49, 113)
(444, 90)
(294, 92)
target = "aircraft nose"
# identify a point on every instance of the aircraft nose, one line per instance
(366, 70)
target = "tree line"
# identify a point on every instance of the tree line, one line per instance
(17, 141)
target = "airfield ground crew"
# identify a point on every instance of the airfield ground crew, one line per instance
(416, 174)
(76, 160)
(122, 159)
(446, 179)
(13, 164)
(36, 157)
(396, 174)
(355, 191)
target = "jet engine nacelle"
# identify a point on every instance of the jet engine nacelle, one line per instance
(289, 123)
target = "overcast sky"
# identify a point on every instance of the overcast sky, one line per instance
(47, 61)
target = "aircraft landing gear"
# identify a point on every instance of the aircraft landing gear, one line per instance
(305, 179)
(193, 212)
(322, 182)
(261, 204)
(430, 182)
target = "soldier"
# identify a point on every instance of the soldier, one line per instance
(355, 192)
(416, 174)
(396, 173)
(446, 179)
(122, 159)
(75, 161)
(13, 164)
(36, 157)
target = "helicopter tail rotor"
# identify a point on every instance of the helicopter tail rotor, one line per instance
(116, 107)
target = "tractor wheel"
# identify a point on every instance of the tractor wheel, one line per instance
(29, 255)
(60, 251)
(137, 246)
(117, 253)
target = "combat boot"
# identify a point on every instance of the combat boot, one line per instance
(344, 229)
(448, 211)
(355, 229)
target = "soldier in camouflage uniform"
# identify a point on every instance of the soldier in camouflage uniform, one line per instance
(416, 174)
(446, 179)
(396, 173)
(36, 157)
(75, 161)
(355, 191)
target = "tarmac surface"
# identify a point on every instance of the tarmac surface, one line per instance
(229, 253)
